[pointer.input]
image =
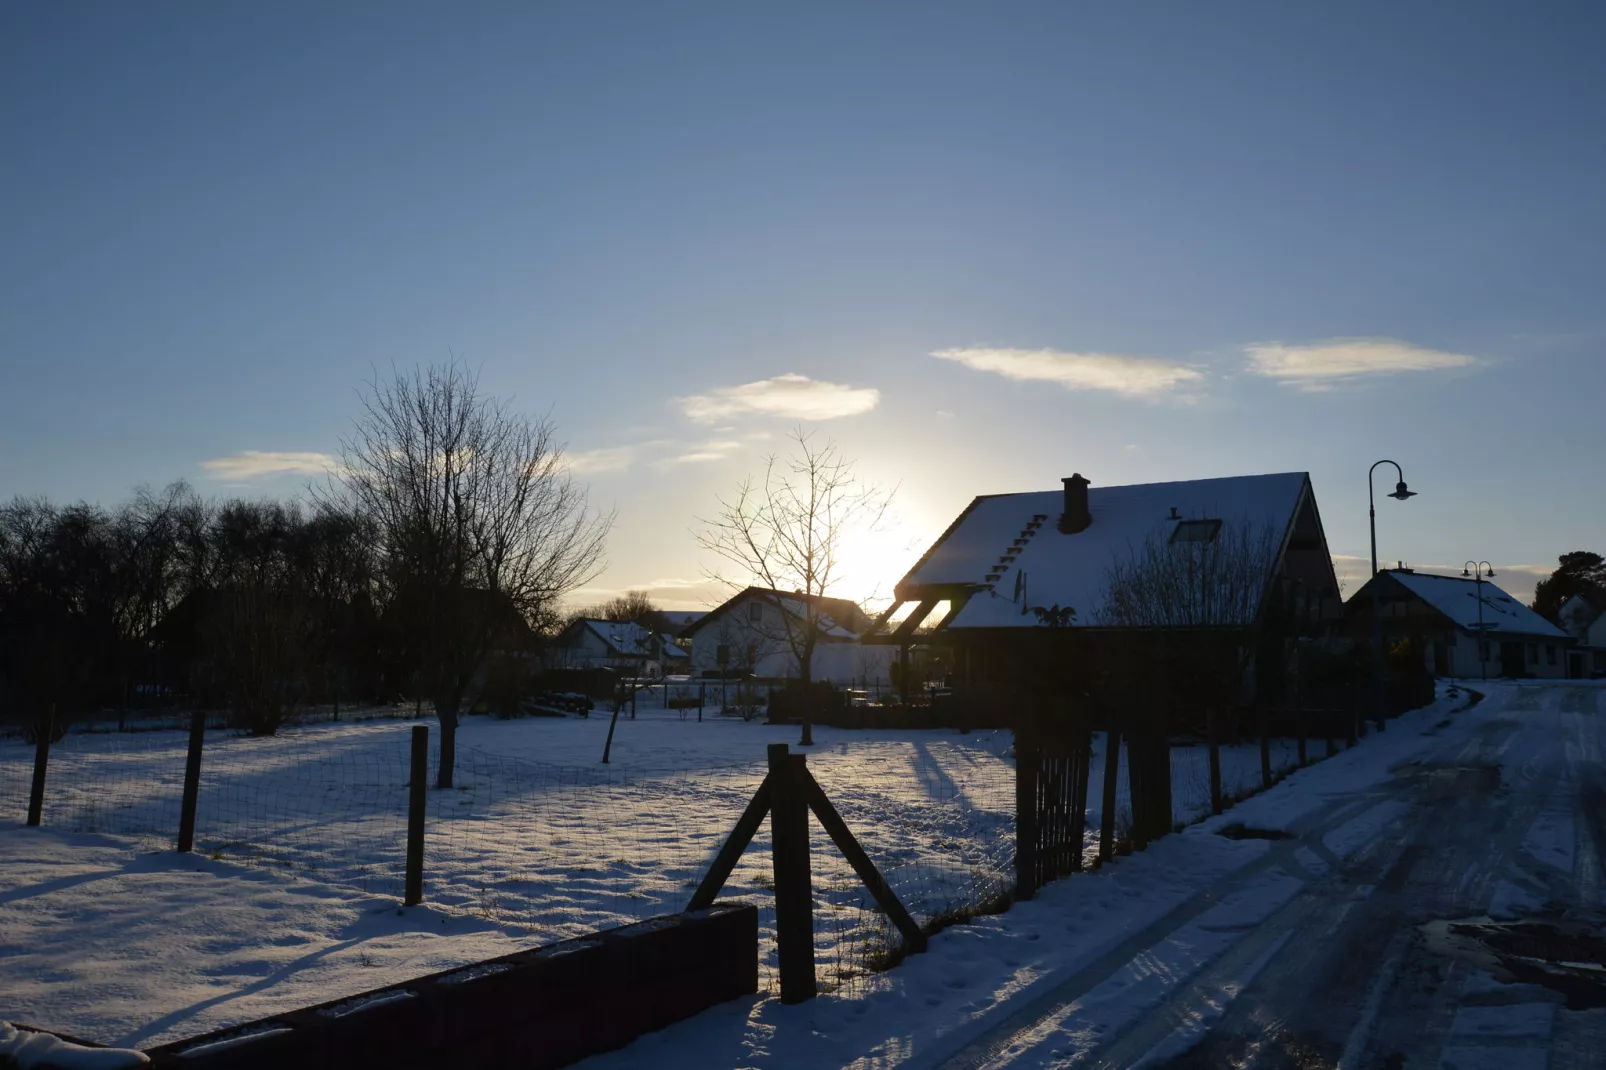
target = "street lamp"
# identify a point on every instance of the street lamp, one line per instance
(1401, 492)
(1480, 569)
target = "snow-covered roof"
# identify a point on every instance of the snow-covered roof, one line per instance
(1010, 546)
(667, 647)
(840, 618)
(624, 638)
(1457, 598)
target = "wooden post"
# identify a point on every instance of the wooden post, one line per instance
(914, 941)
(192, 783)
(789, 855)
(1214, 733)
(1028, 763)
(417, 786)
(1265, 750)
(41, 759)
(1112, 772)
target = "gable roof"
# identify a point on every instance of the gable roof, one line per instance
(1006, 549)
(1457, 598)
(842, 616)
(623, 639)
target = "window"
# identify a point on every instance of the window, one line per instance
(1550, 654)
(1483, 650)
(1533, 653)
(755, 611)
(1195, 531)
(722, 654)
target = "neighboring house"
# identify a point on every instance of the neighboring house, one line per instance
(681, 619)
(622, 645)
(1468, 628)
(1006, 556)
(1586, 623)
(747, 635)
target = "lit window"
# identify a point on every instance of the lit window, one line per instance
(1195, 531)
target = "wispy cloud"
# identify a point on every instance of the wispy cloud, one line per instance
(248, 465)
(701, 452)
(1128, 376)
(1322, 365)
(791, 396)
(600, 461)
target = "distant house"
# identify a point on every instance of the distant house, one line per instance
(747, 636)
(623, 645)
(1013, 568)
(1586, 623)
(1467, 628)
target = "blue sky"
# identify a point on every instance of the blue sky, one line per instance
(1147, 242)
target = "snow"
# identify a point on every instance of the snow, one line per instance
(29, 1049)
(110, 935)
(1069, 570)
(1458, 598)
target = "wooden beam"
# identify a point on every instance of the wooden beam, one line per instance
(746, 826)
(914, 940)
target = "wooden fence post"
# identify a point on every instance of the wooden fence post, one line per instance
(192, 783)
(789, 855)
(1212, 729)
(1112, 772)
(417, 787)
(1028, 764)
(41, 759)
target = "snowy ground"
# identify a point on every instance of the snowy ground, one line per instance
(106, 933)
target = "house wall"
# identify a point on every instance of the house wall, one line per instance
(1545, 658)
(738, 629)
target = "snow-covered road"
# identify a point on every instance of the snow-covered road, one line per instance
(1364, 951)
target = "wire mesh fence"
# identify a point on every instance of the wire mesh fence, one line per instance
(551, 850)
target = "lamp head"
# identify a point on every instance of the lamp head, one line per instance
(1490, 573)
(1465, 573)
(1402, 492)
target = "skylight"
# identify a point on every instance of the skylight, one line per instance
(1195, 531)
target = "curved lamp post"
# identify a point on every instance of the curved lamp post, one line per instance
(1401, 492)
(1476, 571)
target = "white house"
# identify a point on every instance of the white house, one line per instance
(1586, 623)
(1470, 628)
(622, 645)
(748, 635)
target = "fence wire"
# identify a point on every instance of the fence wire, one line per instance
(552, 851)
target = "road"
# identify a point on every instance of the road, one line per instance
(1451, 918)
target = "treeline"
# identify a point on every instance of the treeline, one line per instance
(436, 552)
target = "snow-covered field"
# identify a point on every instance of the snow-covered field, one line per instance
(290, 897)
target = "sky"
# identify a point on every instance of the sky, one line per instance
(978, 247)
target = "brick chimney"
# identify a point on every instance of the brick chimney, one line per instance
(1076, 517)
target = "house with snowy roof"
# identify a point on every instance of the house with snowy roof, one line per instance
(1032, 569)
(623, 645)
(750, 634)
(1582, 619)
(1467, 626)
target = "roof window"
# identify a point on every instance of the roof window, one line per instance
(1195, 531)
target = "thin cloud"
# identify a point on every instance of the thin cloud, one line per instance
(1323, 365)
(596, 462)
(249, 465)
(1112, 372)
(791, 396)
(702, 452)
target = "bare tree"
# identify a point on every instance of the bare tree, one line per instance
(786, 531)
(479, 525)
(632, 607)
